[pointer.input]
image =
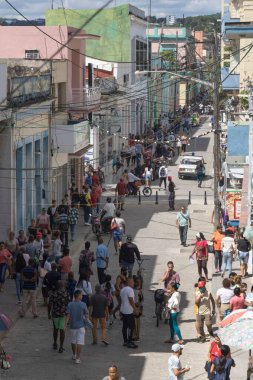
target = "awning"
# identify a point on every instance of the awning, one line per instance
(80, 153)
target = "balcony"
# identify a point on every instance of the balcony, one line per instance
(73, 139)
(85, 100)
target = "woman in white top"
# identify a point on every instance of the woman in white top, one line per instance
(84, 285)
(173, 305)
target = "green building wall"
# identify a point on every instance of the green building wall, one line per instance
(113, 25)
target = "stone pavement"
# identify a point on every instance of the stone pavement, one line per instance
(154, 230)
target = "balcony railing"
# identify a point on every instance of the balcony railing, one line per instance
(85, 98)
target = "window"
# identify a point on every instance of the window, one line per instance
(141, 56)
(32, 54)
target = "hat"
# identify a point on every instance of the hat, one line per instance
(201, 284)
(39, 234)
(177, 347)
(198, 235)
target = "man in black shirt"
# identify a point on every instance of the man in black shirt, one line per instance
(128, 251)
(243, 246)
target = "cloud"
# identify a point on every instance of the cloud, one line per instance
(160, 8)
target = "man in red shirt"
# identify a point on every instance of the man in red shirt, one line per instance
(120, 192)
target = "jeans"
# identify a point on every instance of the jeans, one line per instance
(174, 329)
(72, 230)
(163, 180)
(3, 268)
(217, 259)
(87, 213)
(64, 238)
(101, 275)
(128, 266)
(226, 262)
(200, 178)
(19, 285)
(183, 233)
(128, 327)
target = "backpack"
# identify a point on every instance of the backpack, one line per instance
(84, 260)
(162, 172)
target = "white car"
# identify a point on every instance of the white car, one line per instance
(188, 165)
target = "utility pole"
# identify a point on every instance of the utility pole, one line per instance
(216, 126)
(175, 85)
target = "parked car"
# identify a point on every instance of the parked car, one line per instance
(188, 165)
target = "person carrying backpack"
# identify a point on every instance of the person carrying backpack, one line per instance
(86, 259)
(163, 176)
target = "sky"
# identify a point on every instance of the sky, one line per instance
(160, 8)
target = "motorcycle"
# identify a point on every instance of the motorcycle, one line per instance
(98, 227)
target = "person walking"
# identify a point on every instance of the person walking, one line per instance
(176, 371)
(86, 259)
(183, 222)
(237, 301)
(200, 173)
(216, 239)
(214, 352)
(76, 312)
(120, 281)
(228, 250)
(86, 202)
(163, 173)
(99, 313)
(120, 193)
(170, 276)
(127, 254)
(223, 297)
(102, 259)
(173, 305)
(5, 262)
(57, 311)
(203, 300)
(243, 246)
(127, 310)
(65, 264)
(72, 220)
(222, 365)
(19, 265)
(171, 198)
(118, 228)
(29, 278)
(113, 374)
(64, 226)
(201, 251)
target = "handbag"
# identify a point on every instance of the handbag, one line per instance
(207, 366)
(114, 225)
(87, 324)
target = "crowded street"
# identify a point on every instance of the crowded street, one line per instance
(153, 230)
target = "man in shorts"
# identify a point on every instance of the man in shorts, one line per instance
(76, 312)
(57, 310)
(119, 231)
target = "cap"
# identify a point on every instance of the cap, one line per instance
(201, 284)
(198, 235)
(177, 347)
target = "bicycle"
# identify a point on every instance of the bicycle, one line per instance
(160, 309)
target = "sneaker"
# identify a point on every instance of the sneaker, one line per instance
(124, 344)
(78, 361)
(132, 345)
(87, 224)
(55, 346)
(222, 274)
(216, 270)
(105, 342)
(73, 357)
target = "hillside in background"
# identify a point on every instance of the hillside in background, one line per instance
(206, 23)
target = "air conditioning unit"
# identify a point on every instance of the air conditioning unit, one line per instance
(32, 54)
